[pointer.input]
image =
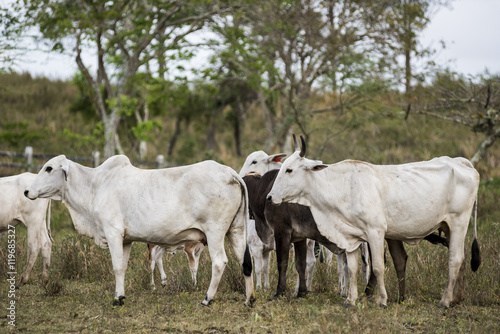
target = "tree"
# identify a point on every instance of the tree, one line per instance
(9, 31)
(287, 51)
(125, 36)
(471, 101)
(401, 23)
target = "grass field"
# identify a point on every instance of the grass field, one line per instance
(78, 295)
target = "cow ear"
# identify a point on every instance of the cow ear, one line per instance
(276, 157)
(317, 168)
(65, 168)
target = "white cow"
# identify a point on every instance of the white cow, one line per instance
(354, 201)
(16, 209)
(191, 249)
(256, 162)
(117, 203)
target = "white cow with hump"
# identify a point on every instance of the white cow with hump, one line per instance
(117, 204)
(256, 162)
(354, 201)
(16, 209)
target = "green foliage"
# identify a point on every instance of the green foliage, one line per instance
(17, 134)
(125, 105)
(145, 131)
(83, 103)
(93, 141)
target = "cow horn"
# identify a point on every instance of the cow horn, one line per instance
(296, 143)
(303, 147)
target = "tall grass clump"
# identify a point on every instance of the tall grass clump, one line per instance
(78, 257)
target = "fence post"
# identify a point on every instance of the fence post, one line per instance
(160, 161)
(28, 154)
(95, 158)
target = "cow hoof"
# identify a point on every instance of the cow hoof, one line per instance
(207, 302)
(250, 302)
(301, 294)
(17, 287)
(347, 304)
(443, 306)
(277, 296)
(118, 302)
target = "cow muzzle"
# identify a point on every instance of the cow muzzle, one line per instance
(269, 199)
(26, 193)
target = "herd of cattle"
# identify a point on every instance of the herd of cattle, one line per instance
(270, 205)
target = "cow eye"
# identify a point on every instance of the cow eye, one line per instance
(288, 170)
(48, 169)
(253, 162)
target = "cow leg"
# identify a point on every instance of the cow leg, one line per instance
(33, 250)
(46, 254)
(219, 261)
(399, 258)
(237, 238)
(265, 268)
(159, 260)
(300, 266)
(193, 252)
(152, 264)
(310, 263)
(196, 257)
(352, 264)
(258, 263)
(282, 254)
(329, 256)
(119, 257)
(458, 293)
(457, 256)
(343, 273)
(377, 255)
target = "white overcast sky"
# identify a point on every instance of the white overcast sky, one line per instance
(469, 28)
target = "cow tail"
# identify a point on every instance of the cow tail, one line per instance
(244, 211)
(475, 261)
(48, 221)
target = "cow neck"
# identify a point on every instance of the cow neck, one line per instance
(77, 190)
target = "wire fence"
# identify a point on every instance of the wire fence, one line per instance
(13, 163)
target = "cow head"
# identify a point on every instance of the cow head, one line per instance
(260, 162)
(295, 178)
(50, 181)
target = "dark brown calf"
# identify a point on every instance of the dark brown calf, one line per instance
(288, 223)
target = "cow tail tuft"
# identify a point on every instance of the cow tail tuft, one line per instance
(475, 261)
(247, 263)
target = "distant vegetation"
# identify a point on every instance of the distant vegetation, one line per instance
(43, 114)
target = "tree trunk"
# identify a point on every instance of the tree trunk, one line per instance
(110, 123)
(238, 122)
(174, 138)
(485, 145)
